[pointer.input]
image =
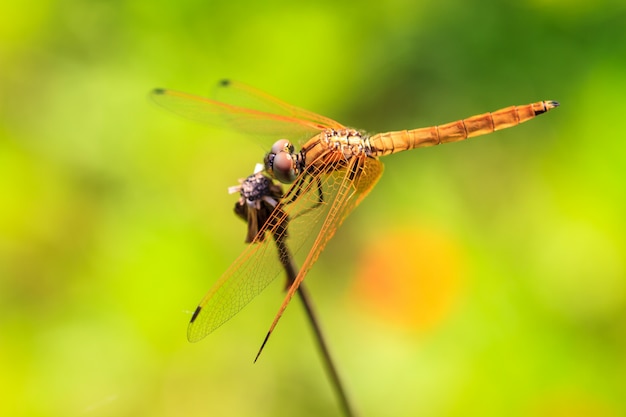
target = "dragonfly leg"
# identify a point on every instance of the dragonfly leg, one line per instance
(301, 185)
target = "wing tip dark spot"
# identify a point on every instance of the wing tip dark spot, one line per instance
(158, 91)
(195, 314)
(225, 82)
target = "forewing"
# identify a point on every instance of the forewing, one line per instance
(311, 221)
(243, 95)
(253, 270)
(344, 190)
(268, 121)
(294, 223)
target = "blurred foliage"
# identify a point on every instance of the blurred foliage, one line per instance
(480, 278)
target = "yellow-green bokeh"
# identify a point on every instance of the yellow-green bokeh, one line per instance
(114, 215)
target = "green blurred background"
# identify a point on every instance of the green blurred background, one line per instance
(479, 278)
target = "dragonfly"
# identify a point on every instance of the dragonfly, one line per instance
(329, 174)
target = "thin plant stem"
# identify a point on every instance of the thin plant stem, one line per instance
(326, 357)
(292, 272)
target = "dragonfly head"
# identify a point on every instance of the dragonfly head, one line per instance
(281, 163)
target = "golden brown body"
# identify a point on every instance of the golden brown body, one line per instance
(482, 124)
(329, 176)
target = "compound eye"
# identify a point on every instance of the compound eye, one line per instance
(282, 145)
(281, 162)
(283, 167)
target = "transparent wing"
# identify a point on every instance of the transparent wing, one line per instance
(346, 191)
(304, 222)
(243, 95)
(266, 118)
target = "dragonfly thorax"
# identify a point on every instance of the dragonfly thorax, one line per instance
(349, 142)
(284, 164)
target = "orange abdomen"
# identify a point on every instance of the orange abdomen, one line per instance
(482, 124)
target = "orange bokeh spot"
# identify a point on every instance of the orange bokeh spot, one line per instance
(411, 278)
